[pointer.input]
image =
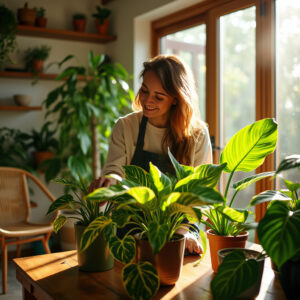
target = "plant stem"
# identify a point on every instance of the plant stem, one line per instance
(233, 198)
(228, 184)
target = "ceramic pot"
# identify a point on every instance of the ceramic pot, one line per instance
(218, 242)
(289, 277)
(41, 22)
(40, 156)
(253, 291)
(37, 65)
(102, 28)
(97, 257)
(79, 25)
(168, 262)
(22, 100)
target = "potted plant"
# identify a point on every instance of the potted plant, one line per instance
(42, 142)
(278, 234)
(156, 204)
(35, 57)
(41, 20)
(86, 106)
(245, 151)
(8, 27)
(97, 257)
(79, 22)
(26, 15)
(101, 19)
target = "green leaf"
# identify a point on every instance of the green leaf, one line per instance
(234, 276)
(293, 187)
(248, 148)
(240, 185)
(140, 280)
(157, 235)
(267, 196)
(161, 182)
(85, 141)
(142, 195)
(63, 202)
(278, 232)
(179, 170)
(93, 230)
(104, 193)
(66, 182)
(234, 215)
(290, 162)
(138, 175)
(122, 250)
(121, 216)
(59, 223)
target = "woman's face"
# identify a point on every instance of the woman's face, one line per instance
(156, 103)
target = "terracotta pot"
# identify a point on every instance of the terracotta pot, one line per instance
(39, 157)
(79, 25)
(97, 257)
(218, 242)
(253, 291)
(102, 28)
(41, 22)
(168, 262)
(26, 16)
(37, 65)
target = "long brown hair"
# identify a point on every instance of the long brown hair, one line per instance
(183, 126)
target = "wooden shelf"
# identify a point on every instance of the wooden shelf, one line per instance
(64, 34)
(10, 74)
(20, 108)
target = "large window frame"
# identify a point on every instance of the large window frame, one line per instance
(208, 12)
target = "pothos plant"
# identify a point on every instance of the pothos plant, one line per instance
(156, 204)
(245, 152)
(278, 233)
(86, 106)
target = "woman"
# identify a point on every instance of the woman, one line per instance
(164, 117)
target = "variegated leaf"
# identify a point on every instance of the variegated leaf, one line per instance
(267, 196)
(234, 215)
(289, 162)
(63, 202)
(142, 195)
(161, 182)
(122, 250)
(180, 171)
(140, 280)
(157, 235)
(120, 216)
(59, 223)
(138, 175)
(104, 193)
(93, 230)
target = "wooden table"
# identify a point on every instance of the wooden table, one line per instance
(56, 276)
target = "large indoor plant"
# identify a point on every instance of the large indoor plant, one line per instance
(85, 107)
(245, 151)
(278, 233)
(8, 30)
(156, 205)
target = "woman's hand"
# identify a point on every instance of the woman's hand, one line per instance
(192, 245)
(102, 181)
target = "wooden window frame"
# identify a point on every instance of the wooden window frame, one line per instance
(207, 12)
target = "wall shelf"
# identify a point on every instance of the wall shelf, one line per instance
(64, 34)
(20, 108)
(11, 74)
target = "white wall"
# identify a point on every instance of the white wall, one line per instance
(130, 21)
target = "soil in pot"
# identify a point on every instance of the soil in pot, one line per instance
(253, 291)
(218, 242)
(168, 262)
(97, 257)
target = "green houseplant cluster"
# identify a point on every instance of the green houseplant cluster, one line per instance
(86, 106)
(8, 29)
(40, 53)
(101, 14)
(278, 234)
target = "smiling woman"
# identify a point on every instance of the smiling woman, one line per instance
(164, 118)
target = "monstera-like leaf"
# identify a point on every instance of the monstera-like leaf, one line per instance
(248, 148)
(140, 280)
(235, 275)
(278, 232)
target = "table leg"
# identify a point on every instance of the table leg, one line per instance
(27, 295)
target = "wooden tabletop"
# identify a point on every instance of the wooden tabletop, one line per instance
(56, 276)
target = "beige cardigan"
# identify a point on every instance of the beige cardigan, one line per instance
(124, 137)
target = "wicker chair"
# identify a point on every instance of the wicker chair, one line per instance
(15, 228)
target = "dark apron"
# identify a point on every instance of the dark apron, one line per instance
(142, 158)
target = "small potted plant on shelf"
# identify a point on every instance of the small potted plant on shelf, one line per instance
(101, 19)
(26, 15)
(8, 26)
(35, 57)
(156, 205)
(279, 235)
(41, 20)
(79, 22)
(43, 143)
